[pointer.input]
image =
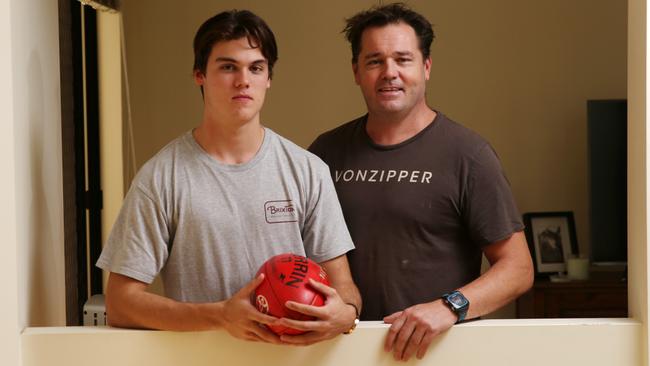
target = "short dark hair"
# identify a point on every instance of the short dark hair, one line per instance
(379, 16)
(231, 25)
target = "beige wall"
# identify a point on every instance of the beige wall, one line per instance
(518, 72)
(9, 326)
(638, 168)
(31, 214)
(110, 117)
(37, 158)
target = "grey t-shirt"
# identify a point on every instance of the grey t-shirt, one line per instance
(419, 212)
(207, 227)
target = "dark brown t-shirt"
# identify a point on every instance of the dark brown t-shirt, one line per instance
(419, 212)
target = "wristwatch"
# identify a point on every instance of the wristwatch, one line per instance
(356, 319)
(457, 303)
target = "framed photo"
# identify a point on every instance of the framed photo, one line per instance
(551, 237)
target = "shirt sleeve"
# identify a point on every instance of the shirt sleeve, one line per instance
(137, 245)
(325, 234)
(490, 211)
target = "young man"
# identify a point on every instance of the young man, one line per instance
(212, 206)
(423, 196)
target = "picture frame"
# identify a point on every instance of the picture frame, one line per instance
(551, 239)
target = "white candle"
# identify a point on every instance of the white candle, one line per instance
(578, 268)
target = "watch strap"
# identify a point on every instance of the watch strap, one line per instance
(461, 312)
(356, 318)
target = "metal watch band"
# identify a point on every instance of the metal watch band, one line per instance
(356, 319)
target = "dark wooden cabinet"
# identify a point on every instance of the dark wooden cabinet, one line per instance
(601, 297)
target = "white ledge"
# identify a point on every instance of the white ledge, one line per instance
(497, 323)
(604, 341)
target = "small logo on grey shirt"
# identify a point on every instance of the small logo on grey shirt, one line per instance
(280, 211)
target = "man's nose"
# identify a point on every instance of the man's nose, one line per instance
(243, 79)
(390, 71)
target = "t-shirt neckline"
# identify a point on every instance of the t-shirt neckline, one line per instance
(203, 155)
(415, 137)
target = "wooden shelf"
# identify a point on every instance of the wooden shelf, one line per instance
(603, 296)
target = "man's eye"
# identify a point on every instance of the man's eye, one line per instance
(257, 69)
(373, 62)
(402, 60)
(227, 67)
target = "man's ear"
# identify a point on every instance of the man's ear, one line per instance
(199, 78)
(355, 70)
(427, 68)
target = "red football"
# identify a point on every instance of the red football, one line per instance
(286, 278)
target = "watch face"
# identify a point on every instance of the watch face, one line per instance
(457, 300)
